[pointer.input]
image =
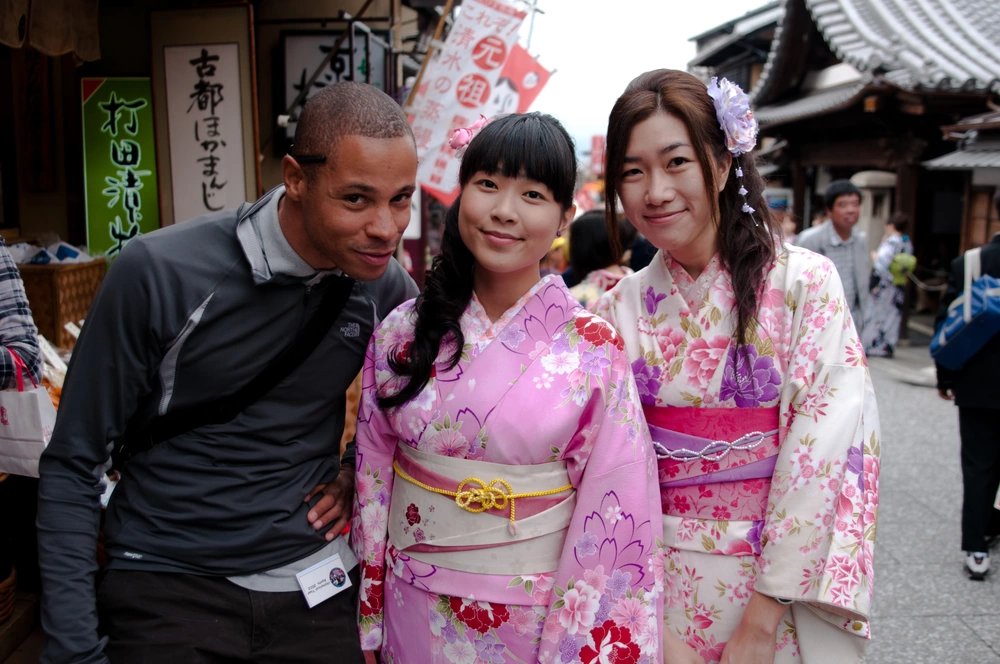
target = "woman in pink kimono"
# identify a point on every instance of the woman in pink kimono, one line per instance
(507, 502)
(754, 385)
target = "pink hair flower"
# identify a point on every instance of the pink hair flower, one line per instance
(462, 136)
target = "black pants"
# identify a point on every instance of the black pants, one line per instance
(17, 531)
(980, 432)
(162, 618)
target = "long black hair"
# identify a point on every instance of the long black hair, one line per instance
(531, 145)
(745, 247)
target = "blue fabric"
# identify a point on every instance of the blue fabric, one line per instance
(957, 340)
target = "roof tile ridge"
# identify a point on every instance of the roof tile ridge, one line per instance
(975, 45)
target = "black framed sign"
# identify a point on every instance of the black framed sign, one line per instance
(363, 55)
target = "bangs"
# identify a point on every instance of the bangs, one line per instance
(524, 146)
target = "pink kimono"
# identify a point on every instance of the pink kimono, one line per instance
(509, 512)
(769, 454)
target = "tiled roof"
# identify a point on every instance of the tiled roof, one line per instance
(916, 44)
(775, 58)
(946, 45)
(734, 32)
(817, 103)
(980, 122)
(977, 155)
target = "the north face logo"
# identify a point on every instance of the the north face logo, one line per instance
(351, 330)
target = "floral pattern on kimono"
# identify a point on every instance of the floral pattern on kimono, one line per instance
(815, 542)
(553, 384)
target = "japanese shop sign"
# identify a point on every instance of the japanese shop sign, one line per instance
(458, 85)
(204, 117)
(119, 162)
(363, 56)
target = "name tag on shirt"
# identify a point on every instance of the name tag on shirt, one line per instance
(323, 580)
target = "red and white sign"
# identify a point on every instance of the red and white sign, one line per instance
(458, 85)
(597, 154)
(527, 78)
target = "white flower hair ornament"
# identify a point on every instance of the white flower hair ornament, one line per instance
(732, 109)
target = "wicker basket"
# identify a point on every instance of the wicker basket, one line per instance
(59, 294)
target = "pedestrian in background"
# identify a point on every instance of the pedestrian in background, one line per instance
(556, 259)
(754, 386)
(595, 256)
(975, 388)
(891, 263)
(220, 523)
(838, 239)
(18, 335)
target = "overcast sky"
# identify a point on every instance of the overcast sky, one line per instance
(597, 46)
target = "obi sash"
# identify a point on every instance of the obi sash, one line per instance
(478, 516)
(715, 463)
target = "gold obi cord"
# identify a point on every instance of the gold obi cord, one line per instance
(474, 495)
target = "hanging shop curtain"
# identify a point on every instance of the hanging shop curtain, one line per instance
(53, 27)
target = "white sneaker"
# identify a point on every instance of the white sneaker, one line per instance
(977, 563)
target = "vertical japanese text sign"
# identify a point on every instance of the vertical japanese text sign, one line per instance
(304, 52)
(119, 162)
(457, 87)
(204, 120)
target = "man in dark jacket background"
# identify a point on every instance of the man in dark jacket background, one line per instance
(976, 391)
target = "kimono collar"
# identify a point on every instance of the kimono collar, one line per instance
(477, 327)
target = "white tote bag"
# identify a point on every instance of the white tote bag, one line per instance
(26, 419)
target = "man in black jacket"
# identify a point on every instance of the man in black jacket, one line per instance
(976, 391)
(213, 529)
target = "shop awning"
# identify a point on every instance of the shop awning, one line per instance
(967, 159)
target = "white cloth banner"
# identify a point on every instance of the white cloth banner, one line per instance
(459, 84)
(204, 114)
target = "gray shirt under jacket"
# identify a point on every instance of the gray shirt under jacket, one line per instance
(186, 314)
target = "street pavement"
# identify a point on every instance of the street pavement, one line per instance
(925, 609)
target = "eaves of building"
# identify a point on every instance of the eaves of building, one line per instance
(919, 46)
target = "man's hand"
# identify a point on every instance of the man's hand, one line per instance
(333, 510)
(946, 393)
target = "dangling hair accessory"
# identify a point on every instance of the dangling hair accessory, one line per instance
(462, 136)
(732, 109)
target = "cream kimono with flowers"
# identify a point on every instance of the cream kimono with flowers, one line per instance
(547, 385)
(803, 530)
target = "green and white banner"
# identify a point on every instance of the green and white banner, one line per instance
(119, 162)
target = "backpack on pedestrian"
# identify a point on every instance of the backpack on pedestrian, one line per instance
(973, 318)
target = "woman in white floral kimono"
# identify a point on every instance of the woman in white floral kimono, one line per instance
(507, 503)
(754, 385)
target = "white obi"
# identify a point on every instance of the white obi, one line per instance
(514, 520)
